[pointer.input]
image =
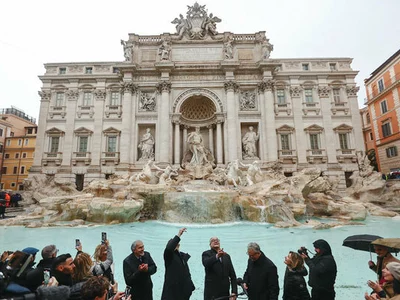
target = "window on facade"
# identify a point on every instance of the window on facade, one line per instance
(7, 155)
(16, 155)
(368, 117)
(391, 151)
(13, 184)
(285, 144)
(336, 95)
(114, 100)
(24, 155)
(343, 141)
(381, 85)
(59, 99)
(4, 170)
(112, 144)
(280, 93)
(314, 141)
(87, 99)
(332, 66)
(371, 137)
(88, 70)
(54, 143)
(22, 170)
(20, 187)
(305, 67)
(1, 148)
(63, 70)
(83, 143)
(115, 70)
(308, 95)
(386, 129)
(1, 131)
(384, 108)
(30, 130)
(11, 133)
(15, 170)
(8, 143)
(26, 142)
(19, 142)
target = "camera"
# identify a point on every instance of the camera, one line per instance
(303, 250)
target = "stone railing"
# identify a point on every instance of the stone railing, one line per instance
(112, 157)
(81, 157)
(52, 157)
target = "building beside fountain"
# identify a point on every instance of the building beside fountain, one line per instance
(103, 118)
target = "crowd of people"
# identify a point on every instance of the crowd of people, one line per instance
(61, 276)
(8, 199)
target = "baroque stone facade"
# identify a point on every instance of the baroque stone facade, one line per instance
(301, 112)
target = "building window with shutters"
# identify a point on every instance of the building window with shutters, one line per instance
(343, 141)
(391, 151)
(386, 129)
(314, 141)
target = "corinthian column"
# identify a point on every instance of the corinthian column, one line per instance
(231, 119)
(270, 130)
(128, 90)
(164, 136)
(211, 139)
(219, 142)
(177, 146)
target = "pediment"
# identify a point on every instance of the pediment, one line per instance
(343, 127)
(83, 130)
(111, 130)
(285, 128)
(314, 128)
(55, 130)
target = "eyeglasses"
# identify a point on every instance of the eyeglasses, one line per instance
(214, 240)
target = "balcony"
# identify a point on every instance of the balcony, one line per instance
(52, 157)
(85, 110)
(340, 106)
(287, 156)
(57, 110)
(388, 85)
(283, 107)
(316, 156)
(311, 107)
(346, 154)
(110, 157)
(113, 109)
(84, 157)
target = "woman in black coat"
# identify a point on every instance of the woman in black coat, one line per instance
(294, 285)
(178, 283)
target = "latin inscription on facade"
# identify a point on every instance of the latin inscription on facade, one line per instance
(196, 54)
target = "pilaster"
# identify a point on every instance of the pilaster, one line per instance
(164, 137)
(231, 119)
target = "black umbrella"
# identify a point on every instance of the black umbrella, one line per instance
(361, 241)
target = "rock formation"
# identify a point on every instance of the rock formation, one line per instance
(271, 198)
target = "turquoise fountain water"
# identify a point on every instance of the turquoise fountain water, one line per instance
(353, 271)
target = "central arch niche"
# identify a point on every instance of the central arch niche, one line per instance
(198, 108)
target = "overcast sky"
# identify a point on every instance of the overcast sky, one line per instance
(34, 32)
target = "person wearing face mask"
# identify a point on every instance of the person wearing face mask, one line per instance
(323, 271)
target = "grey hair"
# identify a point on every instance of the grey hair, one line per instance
(134, 244)
(254, 246)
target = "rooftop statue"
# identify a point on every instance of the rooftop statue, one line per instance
(198, 23)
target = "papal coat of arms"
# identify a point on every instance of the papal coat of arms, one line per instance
(198, 23)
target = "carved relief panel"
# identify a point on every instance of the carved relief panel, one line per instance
(248, 100)
(147, 101)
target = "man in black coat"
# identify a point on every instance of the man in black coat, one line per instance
(138, 267)
(178, 283)
(220, 274)
(322, 271)
(261, 276)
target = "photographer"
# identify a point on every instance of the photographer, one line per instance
(322, 271)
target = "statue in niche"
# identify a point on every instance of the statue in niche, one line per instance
(164, 50)
(147, 102)
(165, 174)
(254, 173)
(228, 49)
(146, 146)
(128, 50)
(249, 141)
(196, 146)
(267, 48)
(247, 101)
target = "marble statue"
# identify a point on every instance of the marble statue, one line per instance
(146, 146)
(232, 173)
(128, 50)
(228, 49)
(165, 174)
(147, 102)
(164, 50)
(145, 175)
(249, 141)
(254, 173)
(267, 48)
(196, 146)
